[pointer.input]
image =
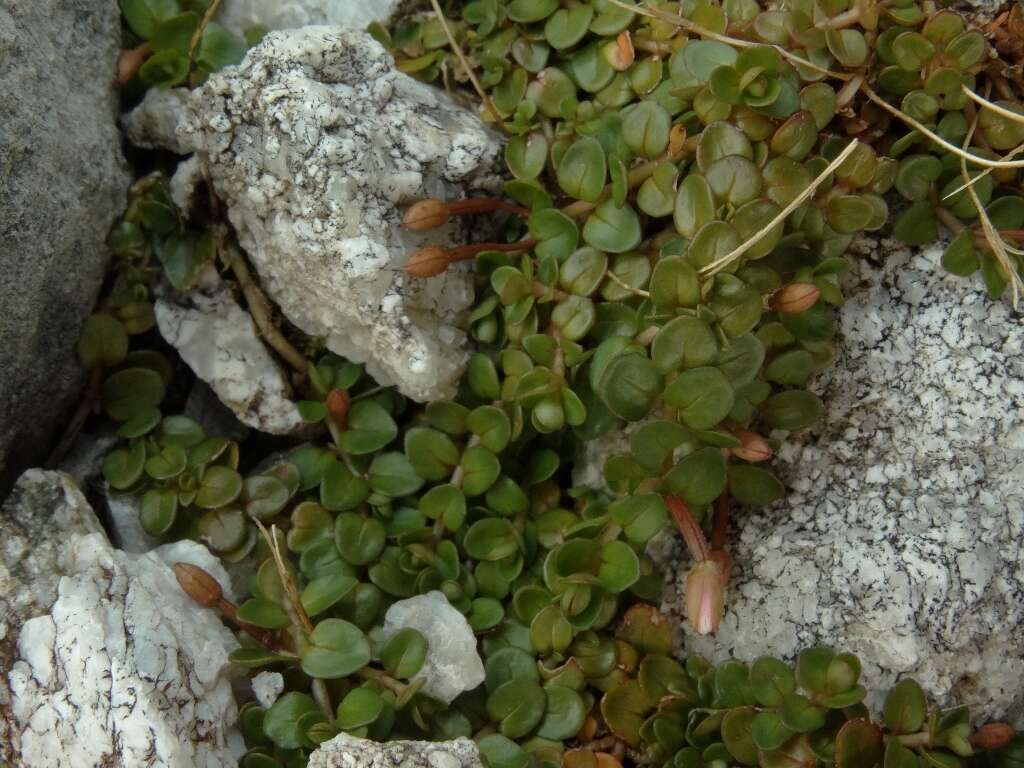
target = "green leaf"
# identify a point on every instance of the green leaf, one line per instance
(480, 469)
(102, 342)
(630, 385)
(699, 478)
(770, 682)
(164, 69)
(143, 15)
(583, 170)
(281, 721)
(158, 510)
(492, 538)
(219, 48)
(703, 397)
(526, 155)
(517, 706)
(219, 486)
(612, 228)
(905, 707)
(175, 33)
(799, 714)
(122, 467)
(792, 410)
(263, 613)
(768, 731)
(620, 567)
(645, 128)
(641, 516)
(754, 487)
(392, 474)
(132, 391)
(961, 255)
(359, 540)
(360, 707)
(736, 734)
(370, 428)
(323, 592)
(264, 497)
(255, 658)
(404, 653)
(694, 205)
(917, 225)
(568, 26)
(684, 342)
(223, 530)
(563, 715)
(341, 490)
(445, 503)
(335, 649)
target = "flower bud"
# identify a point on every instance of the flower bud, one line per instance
(426, 214)
(705, 595)
(429, 261)
(338, 403)
(993, 736)
(198, 584)
(795, 298)
(620, 53)
(752, 448)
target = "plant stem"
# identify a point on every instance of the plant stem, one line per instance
(688, 527)
(198, 34)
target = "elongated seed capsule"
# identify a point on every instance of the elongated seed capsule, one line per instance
(429, 261)
(752, 448)
(705, 596)
(795, 298)
(198, 584)
(425, 215)
(993, 736)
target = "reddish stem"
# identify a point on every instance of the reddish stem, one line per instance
(484, 205)
(688, 527)
(265, 637)
(467, 252)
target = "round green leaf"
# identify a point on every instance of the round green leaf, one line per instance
(359, 540)
(281, 721)
(219, 486)
(404, 653)
(132, 391)
(612, 228)
(702, 396)
(335, 648)
(583, 169)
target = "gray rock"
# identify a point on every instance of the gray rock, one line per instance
(317, 144)
(153, 123)
(345, 751)
(452, 664)
(103, 659)
(240, 15)
(900, 536)
(219, 342)
(62, 183)
(123, 524)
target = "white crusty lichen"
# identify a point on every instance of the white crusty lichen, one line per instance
(345, 751)
(242, 15)
(900, 535)
(116, 666)
(317, 144)
(219, 342)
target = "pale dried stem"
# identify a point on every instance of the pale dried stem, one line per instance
(625, 286)
(1014, 116)
(465, 65)
(198, 34)
(993, 238)
(719, 264)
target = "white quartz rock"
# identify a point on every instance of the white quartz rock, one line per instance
(267, 687)
(345, 751)
(317, 144)
(240, 15)
(900, 535)
(219, 341)
(116, 666)
(452, 664)
(154, 122)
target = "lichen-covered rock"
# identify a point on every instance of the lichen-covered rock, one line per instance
(452, 664)
(267, 687)
(153, 123)
(103, 659)
(219, 341)
(241, 15)
(62, 184)
(317, 143)
(900, 537)
(345, 751)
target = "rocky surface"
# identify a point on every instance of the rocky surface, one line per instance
(219, 342)
(62, 183)
(900, 537)
(452, 664)
(317, 144)
(241, 15)
(267, 687)
(153, 124)
(104, 660)
(344, 751)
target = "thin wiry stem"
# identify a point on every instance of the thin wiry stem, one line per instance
(921, 128)
(993, 238)
(697, 29)
(1014, 116)
(198, 34)
(719, 264)
(465, 64)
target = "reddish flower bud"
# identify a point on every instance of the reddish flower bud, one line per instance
(795, 298)
(338, 403)
(705, 595)
(198, 584)
(752, 448)
(993, 736)
(426, 214)
(428, 261)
